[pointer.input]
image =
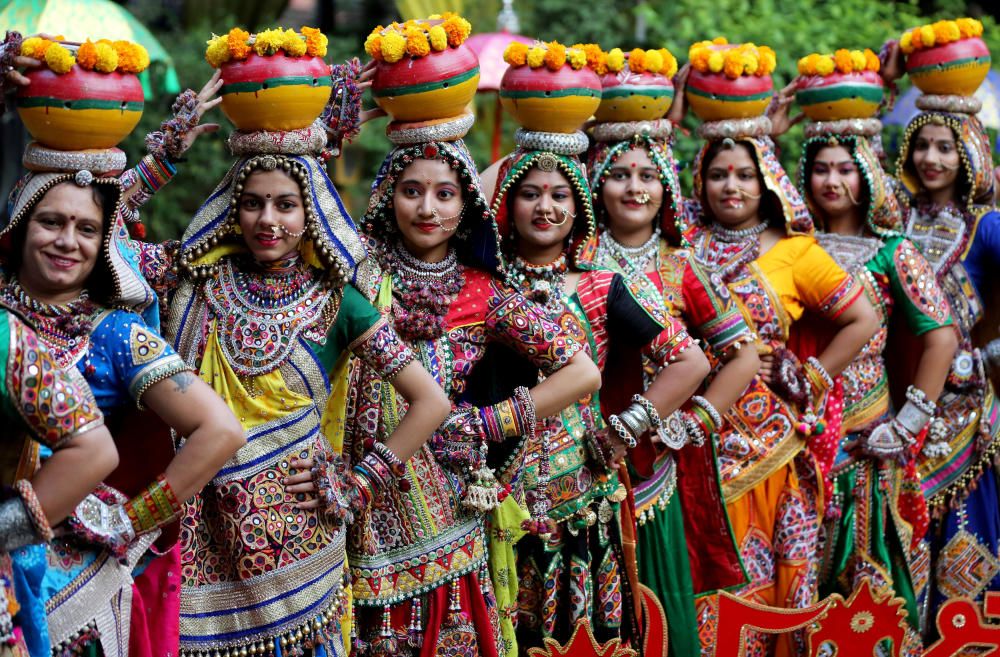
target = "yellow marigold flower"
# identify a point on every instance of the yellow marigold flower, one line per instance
(439, 38)
(555, 56)
(576, 58)
(946, 32)
(733, 68)
(906, 42)
(107, 58)
(268, 42)
(669, 63)
(616, 60)
(373, 44)
(35, 47)
(59, 59)
(458, 30)
(768, 60)
(217, 52)
(238, 47)
(750, 63)
(416, 43)
(637, 60)
(293, 44)
(825, 65)
(927, 36)
(132, 58)
(654, 61)
(802, 66)
(597, 59)
(858, 61)
(842, 58)
(969, 27)
(516, 54)
(699, 58)
(316, 41)
(720, 41)
(872, 62)
(536, 56)
(393, 46)
(86, 55)
(716, 61)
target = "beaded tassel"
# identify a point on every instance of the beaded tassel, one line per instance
(385, 645)
(416, 630)
(484, 573)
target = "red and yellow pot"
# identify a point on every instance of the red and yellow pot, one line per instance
(438, 85)
(81, 109)
(275, 92)
(715, 97)
(627, 96)
(840, 95)
(956, 68)
(550, 101)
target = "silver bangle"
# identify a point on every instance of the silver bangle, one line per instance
(635, 419)
(920, 399)
(706, 406)
(912, 418)
(649, 409)
(387, 454)
(16, 527)
(694, 430)
(623, 432)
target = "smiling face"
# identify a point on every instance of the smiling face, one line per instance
(428, 204)
(632, 193)
(62, 242)
(272, 215)
(732, 187)
(935, 158)
(834, 181)
(543, 208)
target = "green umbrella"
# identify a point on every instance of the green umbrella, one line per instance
(78, 20)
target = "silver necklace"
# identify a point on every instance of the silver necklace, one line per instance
(741, 235)
(635, 258)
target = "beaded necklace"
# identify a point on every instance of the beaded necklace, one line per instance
(544, 283)
(727, 252)
(272, 285)
(65, 328)
(941, 233)
(633, 259)
(422, 291)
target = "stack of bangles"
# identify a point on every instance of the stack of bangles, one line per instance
(641, 416)
(378, 470)
(154, 507)
(916, 413)
(512, 417)
(34, 509)
(701, 421)
(819, 379)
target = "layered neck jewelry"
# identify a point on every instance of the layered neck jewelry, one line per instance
(633, 259)
(64, 327)
(734, 236)
(275, 284)
(941, 232)
(423, 290)
(542, 283)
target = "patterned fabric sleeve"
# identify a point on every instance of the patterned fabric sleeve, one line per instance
(156, 264)
(822, 285)
(670, 343)
(361, 329)
(711, 309)
(521, 325)
(143, 359)
(55, 405)
(915, 290)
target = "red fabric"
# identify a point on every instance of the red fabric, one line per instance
(471, 304)
(156, 608)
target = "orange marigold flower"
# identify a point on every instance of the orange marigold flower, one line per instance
(86, 56)
(969, 27)
(872, 62)
(316, 41)
(915, 39)
(768, 60)
(669, 63)
(637, 60)
(555, 56)
(720, 41)
(416, 42)
(238, 46)
(842, 59)
(373, 44)
(132, 58)
(733, 66)
(946, 32)
(458, 30)
(35, 47)
(516, 54)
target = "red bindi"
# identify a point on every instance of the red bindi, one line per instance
(545, 186)
(633, 165)
(730, 168)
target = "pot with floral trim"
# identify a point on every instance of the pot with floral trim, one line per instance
(424, 70)
(85, 96)
(729, 81)
(947, 57)
(549, 87)
(636, 86)
(844, 85)
(274, 80)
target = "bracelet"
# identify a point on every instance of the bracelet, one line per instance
(154, 507)
(913, 418)
(817, 374)
(388, 456)
(167, 143)
(17, 528)
(366, 491)
(623, 432)
(34, 509)
(635, 419)
(696, 432)
(713, 414)
(920, 399)
(651, 412)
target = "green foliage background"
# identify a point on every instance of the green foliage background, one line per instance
(792, 27)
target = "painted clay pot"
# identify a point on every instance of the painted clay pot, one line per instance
(436, 86)
(275, 92)
(957, 68)
(550, 101)
(629, 96)
(840, 95)
(715, 97)
(81, 109)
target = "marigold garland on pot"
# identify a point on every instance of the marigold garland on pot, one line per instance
(417, 38)
(939, 34)
(553, 55)
(237, 44)
(104, 56)
(742, 59)
(659, 61)
(841, 61)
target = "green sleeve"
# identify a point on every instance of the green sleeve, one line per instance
(6, 405)
(355, 316)
(914, 286)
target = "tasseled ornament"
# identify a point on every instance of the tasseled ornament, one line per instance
(458, 634)
(484, 493)
(385, 644)
(415, 634)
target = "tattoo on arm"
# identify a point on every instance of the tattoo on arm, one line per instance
(182, 381)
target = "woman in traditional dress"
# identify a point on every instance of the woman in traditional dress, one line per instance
(755, 233)
(69, 269)
(638, 202)
(876, 491)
